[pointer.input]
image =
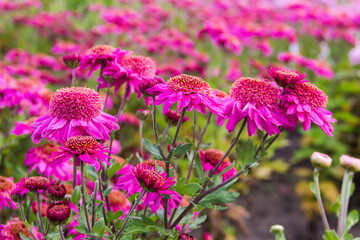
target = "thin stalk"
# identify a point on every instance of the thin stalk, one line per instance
(165, 133)
(198, 146)
(74, 174)
(261, 143)
(233, 143)
(122, 104)
(319, 201)
(141, 141)
(93, 210)
(127, 218)
(61, 233)
(102, 199)
(107, 96)
(165, 213)
(38, 199)
(24, 219)
(344, 201)
(73, 77)
(178, 126)
(194, 127)
(83, 196)
(154, 120)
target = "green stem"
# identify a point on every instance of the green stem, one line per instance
(154, 120)
(141, 140)
(93, 210)
(127, 218)
(61, 233)
(73, 77)
(74, 174)
(24, 219)
(38, 199)
(83, 197)
(107, 96)
(344, 201)
(319, 201)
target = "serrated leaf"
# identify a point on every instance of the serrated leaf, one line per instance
(197, 222)
(80, 230)
(189, 189)
(76, 196)
(246, 155)
(199, 169)
(182, 149)
(352, 219)
(99, 209)
(152, 148)
(335, 208)
(113, 169)
(82, 222)
(110, 215)
(330, 235)
(99, 226)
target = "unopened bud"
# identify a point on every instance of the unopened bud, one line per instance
(143, 114)
(350, 163)
(320, 160)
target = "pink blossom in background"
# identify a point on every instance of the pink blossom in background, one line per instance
(6, 187)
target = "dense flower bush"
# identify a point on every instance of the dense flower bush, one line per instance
(100, 128)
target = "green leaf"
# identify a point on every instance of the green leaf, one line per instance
(24, 237)
(82, 222)
(99, 226)
(145, 224)
(246, 155)
(90, 172)
(152, 148)
(99, 209)
(335, 208)
(182, 149)
(352, 219)
(199, 169)
(113, 169)
(168, 140)
(205, 145)
(189, 189)
(108, 191)
(313, 188)
(76, 195)
(330, 235)
(80, 230)
(197, 222)
(110, 215)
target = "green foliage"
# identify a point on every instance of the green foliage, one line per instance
(246, 155)
(152, 148)
(76, 195)
(190, 189)
(182, 149)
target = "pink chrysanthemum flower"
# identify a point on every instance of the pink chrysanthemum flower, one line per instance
(147, 83)
(96, 57)
(257, 100)
(286, 77)
(129, 118)
(74, 111)
(81, 148)
(12, 230)
(72, 60)
(131, 70)
(58, 212)
(39, 158)
(37, 183)
(146, 177)
(188, 91)
(118, 201)
(6, 187)
(211, 157)
(305, 102)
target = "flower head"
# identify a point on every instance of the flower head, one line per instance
(257, 101)
(172, 118)
(72, 60)
(95, 57)
(321, 160)
(185, 236)
(39, 158)
(144, 177)
(188, 91)
(18, 194)
(147, 83)
(305, 102)
(56, 191)
(143, 114)
(12, 230)
(59, 212)
(37, 183)
(6, 187)
(211, 157)
(286, 77)
(74, 111)
(350, 163)
(81, 148)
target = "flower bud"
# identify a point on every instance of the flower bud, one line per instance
(277, 229)
(172, 118)
(16, 196)
(149, 83)
(320, 160)
(143, 114)
(72, 60)
(56, 191)
(350, 163)
(59, 212)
